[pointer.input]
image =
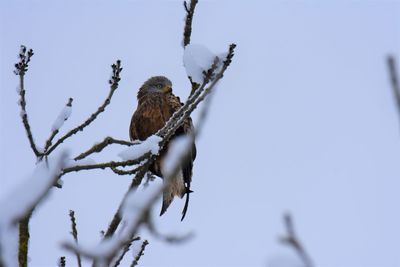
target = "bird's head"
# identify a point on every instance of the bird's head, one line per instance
(156, 84)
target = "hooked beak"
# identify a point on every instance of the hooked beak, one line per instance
(166, 89)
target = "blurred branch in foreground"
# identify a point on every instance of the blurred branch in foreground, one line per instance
(394, 81)
(292, 240)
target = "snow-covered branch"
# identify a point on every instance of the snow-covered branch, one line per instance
(62, 117)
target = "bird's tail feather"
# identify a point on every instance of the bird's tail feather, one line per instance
(175, 187)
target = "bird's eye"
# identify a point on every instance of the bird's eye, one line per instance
(159, 86)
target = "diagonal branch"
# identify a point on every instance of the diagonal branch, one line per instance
(140, 253)
(113, 86)
(292, 240)
(391, 63)
(56, 130)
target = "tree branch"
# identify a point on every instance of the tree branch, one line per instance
(100, 146)
(291, 240)
(55, 131)
(124, 251)
(140, 253)
(74, 233)
(391, 63)
(110, 164)
(116, 68)
(20, 69)
(188, 21)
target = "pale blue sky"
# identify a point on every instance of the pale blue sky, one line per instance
(304, 121)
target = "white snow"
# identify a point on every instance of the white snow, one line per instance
(133, 152)
(18, 89)
(196, 59)
(176, 150)
(63, 116)
(21, 200)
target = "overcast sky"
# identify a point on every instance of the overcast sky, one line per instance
(303, 121)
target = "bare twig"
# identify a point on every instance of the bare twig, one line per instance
(123, 172)
(292, 240)
(74, 233)
(116, 68)
(140, 253)
(110, 164)
(391, 62)
(100, 146)
(124, 251)
(55, 131)
(188, 22)
(61, 262)
(20, 69)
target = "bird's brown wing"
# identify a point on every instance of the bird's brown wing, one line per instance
(150, 116)
(187, 165)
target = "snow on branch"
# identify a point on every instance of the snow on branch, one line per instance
(62, 117)
(22, 200)
(292, 240)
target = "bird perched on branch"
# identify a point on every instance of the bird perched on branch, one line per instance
(156, 104)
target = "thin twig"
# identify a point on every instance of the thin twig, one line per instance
(292, 240)
(61, 262)
(116, 68)
(123, 172)
(391, 62)
(124, 251)
(110, 164)
(20, 69)
(140, 254)
(74, 234)
(100, 146)
(188, 22)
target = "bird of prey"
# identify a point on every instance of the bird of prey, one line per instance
(156, 104)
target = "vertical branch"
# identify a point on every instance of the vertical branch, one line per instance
(23, 241)
(140, 253)
(74, 234)
(391, 62)
(188, 22)
(187, 33)
(61, 262)
(20, 69)
(292, 240)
